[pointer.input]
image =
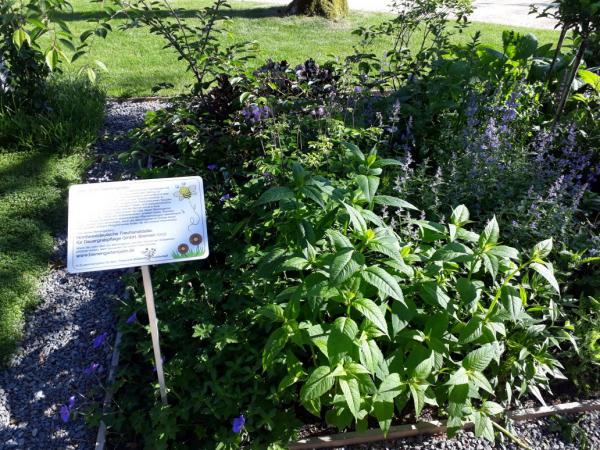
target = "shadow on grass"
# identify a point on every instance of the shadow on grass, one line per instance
(246, 13)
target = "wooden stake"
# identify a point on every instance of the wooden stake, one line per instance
(154, 331)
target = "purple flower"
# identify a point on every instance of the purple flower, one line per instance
(212, 167)
(238, 423)
(318, 112)
(91, 368)
(224, 198)
(99, 340)
(71, 402)
(254, 114)
(132, 318)
(65, 413)
(357, 90)
(162, 358)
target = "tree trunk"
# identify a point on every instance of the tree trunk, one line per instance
(331, 9)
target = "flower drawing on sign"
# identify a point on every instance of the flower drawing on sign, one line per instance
(196, 239)
(149, 253)
(183, 248)
(185, 192)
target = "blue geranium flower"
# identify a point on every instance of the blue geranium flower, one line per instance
(238, 423)
(132, 318)
(99, 340)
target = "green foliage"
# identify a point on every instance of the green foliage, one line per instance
(40, 156)
(74, 111)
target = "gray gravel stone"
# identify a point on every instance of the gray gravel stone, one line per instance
(49, 367)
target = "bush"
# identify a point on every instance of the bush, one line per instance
(68, 122)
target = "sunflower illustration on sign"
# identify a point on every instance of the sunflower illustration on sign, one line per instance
(186, 194)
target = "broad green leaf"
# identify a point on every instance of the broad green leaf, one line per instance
(590, 78)
(19, 36)
(272, 312)
(451, 252)
(483, 426)
(503, 251)
(346, 326)
(492, 408)
(383, 410)
(472, 331)
(351, 391)
(343, 266)
(388, 200)
(275, 194)
(293, 263)
(386, 245)
(52, 57)
(511, 301)
(294, 375)
(339, 344)
(460, 216)
(339, 416)
(547, 273)
(458, 377)
(418, 394)
(338, 239)
(390, 387)
(319, 382)
(371, 311)
(490, 234)
(370, 355)
(358, 222)
(368, 185)
(469, 292)
(542, 249)
(432, 294)
(354, 150)
(420, 363)
(383, 281)
(481, 381)
(479, 359)
(273, 347)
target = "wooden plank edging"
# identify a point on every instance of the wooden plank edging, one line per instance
(434, 427)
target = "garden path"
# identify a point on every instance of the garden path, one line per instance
(507, 12)
(68, 333)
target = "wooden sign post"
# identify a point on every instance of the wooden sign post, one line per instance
(137, 224)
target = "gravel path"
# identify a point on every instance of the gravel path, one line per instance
(543, 434)
(67, 346)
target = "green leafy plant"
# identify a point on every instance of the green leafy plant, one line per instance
(368, 321)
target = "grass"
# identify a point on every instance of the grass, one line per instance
(137, 61)
(35, 173)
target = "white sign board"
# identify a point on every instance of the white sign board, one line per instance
(136, 223)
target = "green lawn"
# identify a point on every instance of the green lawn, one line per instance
(40, 157)
(136, 60)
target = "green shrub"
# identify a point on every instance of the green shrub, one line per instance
(68, 122)
(342, 314)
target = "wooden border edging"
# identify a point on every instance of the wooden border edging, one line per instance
(434, 427)
(101, 436)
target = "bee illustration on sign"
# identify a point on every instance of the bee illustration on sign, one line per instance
(186, 194)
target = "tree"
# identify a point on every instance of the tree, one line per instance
(331, 9)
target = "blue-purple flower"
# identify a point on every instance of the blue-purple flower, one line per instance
(65, 410)
(212, 167)
(91, 368)
(65, 413)
(254, 114)
(99, 340)
(238, 423)
(132, 318)
(224, 198)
